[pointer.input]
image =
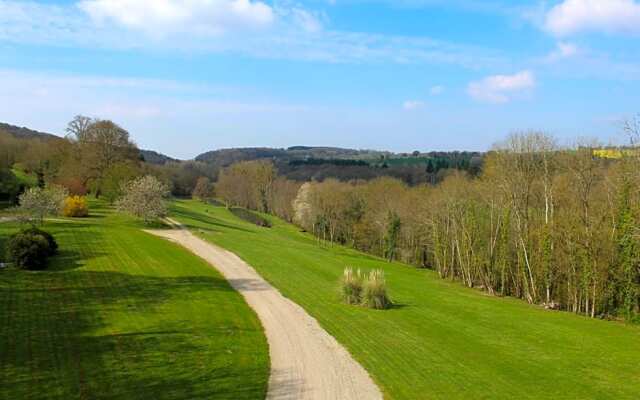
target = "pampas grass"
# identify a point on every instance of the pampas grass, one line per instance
(351, 286)
(374, 292)
(369, 291)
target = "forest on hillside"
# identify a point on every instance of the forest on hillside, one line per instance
(554, 226)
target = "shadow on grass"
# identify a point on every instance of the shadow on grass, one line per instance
(67, 260)
(180, 211)
(69, 335)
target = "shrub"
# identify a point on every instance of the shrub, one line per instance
(374, 293)
(352, 286)
(37, 203)
(51, 241)
(144, 198)
(75, 206)
(250, 217)
(28, 250)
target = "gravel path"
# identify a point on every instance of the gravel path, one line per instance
(306, 362)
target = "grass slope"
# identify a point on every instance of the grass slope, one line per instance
(442, 340)
(29, 180)
(122, 314)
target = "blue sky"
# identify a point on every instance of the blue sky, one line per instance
(186, 76)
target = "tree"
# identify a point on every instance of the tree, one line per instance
(203, 189)
(391, 238)
(37, 203)
(78, 128)
(101, 145)
(144, 198)
(247, 184)
(124, 171)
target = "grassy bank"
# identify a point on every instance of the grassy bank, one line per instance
(121, 314)
(441, 340)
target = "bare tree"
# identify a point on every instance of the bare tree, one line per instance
(78, 127)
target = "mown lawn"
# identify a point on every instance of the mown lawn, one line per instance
(122, 314)
(441, 341)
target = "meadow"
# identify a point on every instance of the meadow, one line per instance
(123, 314)
(440, 340)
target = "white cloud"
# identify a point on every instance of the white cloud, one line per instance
(436, 90)
(159, 17)
(294, 35)
(411, 105)
(501, 88)
(611, 16)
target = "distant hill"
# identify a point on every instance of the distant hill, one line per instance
(150, 156)
(226, 157)
(26, 133)
(153, 157)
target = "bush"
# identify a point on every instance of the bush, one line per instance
(250, 217)
(144, 198)
(37, 203)
(374, 293)
(75, 206)
(28, 250)
(51, 241)
(352, 286)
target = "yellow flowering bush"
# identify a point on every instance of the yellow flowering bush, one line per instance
(75, 206)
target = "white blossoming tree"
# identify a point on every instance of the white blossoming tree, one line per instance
(144, 198)
(37, 203)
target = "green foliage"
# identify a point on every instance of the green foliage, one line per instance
(391, 238)
(51, 241)
(374, 292)
(10, 186)
(627, 277)
(28, 250)
(115, 177)
(352, 286)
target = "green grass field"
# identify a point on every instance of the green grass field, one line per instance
(122, 314)
(441, 340)
(28, 180)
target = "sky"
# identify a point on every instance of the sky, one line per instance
(187, 76)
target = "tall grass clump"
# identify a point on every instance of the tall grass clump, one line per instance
(374, 291)
(352, 286)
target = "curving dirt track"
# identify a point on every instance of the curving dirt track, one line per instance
(306, 362)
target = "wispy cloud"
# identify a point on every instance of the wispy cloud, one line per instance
(563, 50)
(501, 88)
(287, 32)
(436, 90)
(411, 105)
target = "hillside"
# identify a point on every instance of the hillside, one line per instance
(26, 133)
(441, 340)
(226, 157)
(150, 156)
(153, 157)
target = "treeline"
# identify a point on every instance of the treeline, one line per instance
(97, 157)
(556, 227)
